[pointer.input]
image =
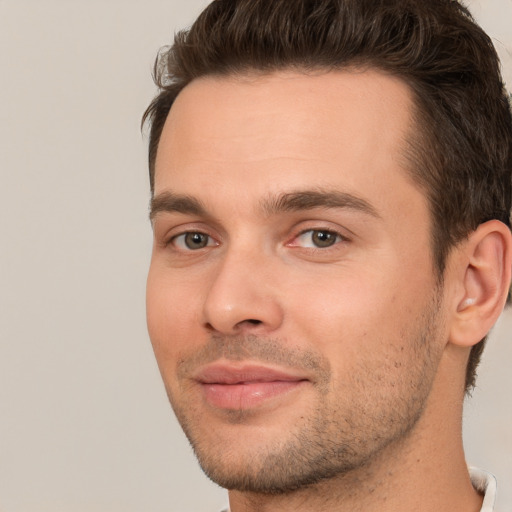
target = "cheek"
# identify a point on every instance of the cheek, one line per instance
(351, 318)
(172, 313)
(338, 300)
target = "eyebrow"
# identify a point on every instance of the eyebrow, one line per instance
(320, 198)
(175, 203)
(273, 204)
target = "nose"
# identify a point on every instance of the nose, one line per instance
(243, 296)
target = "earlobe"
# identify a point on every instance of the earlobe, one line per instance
(487, 261)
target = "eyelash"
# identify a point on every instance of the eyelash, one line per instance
(180, 241)
(174, 240)
(338, 238)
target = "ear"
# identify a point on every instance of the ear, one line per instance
(485, 266)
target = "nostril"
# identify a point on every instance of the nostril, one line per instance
(248, 323)
(251, 321)
(254, 322)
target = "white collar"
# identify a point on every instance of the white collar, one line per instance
(484, 483)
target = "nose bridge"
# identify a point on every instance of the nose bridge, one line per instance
(242, 293)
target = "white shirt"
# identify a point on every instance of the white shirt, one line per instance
(483, 482)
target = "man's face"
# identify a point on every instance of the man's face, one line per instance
(292, 302)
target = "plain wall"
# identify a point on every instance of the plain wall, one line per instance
(84, 420)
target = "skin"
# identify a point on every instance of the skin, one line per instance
(252, 175)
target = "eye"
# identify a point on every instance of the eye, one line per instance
(318, 238)
(192, 241)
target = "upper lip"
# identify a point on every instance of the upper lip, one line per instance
(230, 373)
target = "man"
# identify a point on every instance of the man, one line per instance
(331, 195)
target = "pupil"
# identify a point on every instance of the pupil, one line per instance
(195, 240)
(323, 238)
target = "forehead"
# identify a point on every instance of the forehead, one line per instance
(285, 129)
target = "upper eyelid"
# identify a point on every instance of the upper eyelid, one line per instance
(166, 233)
(328, 230)
(318, 225)
(342, 237)
(173, 236)
(177, 219)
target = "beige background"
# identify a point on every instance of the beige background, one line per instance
(84, 421)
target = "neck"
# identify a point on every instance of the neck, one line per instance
(425, 471)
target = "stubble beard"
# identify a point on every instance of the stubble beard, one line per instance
(375, 409)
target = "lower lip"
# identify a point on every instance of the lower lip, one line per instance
(246, 395)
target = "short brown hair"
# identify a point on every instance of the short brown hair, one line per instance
(461, 154)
